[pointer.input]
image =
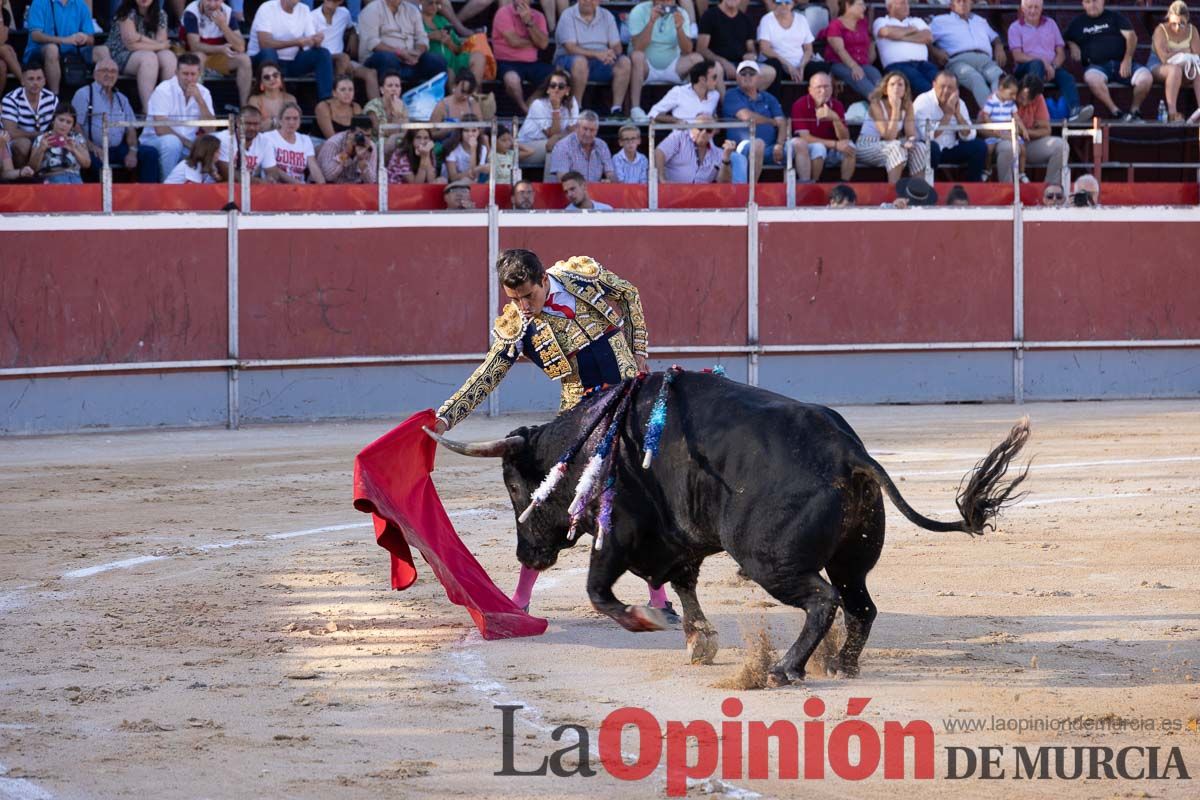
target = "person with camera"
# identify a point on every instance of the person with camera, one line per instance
(92, 103)
(349, 156)
(661, 49)
(1087, 192)
(61, 34)
(60, 153)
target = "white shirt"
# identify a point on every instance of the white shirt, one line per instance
(927, 113)
(596, 206)
(682, 103)
(186, 173)
(255, 152)
(787, 42)
(892, 51)
(335, 32)
(167, 100)
(539, 119)
(272, 19)
(291, 157)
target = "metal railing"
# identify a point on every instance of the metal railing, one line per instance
(381, 136)
(106, 182)
(652, 180)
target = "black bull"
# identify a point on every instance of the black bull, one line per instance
(786, 488)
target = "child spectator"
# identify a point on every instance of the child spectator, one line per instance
(505, 157)
(200, 166)
(468, 159)
(629, 165)
(61, 152)
(1001, 106)
(414, 161)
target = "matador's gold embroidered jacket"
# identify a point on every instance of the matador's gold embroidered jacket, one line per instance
(595, 341)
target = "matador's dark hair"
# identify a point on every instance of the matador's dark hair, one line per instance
(517, 267)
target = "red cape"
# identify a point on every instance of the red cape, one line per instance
(391, 481)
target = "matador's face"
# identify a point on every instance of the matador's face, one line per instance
(530, 297)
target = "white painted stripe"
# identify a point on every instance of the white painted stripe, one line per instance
(326, 529)
(625, 218)
(191, 221)
(860, 214)
(1039, 467)
(19, 788)
(1113, 214)
(363, 220)
(123, 564)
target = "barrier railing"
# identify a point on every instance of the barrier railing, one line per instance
(714, 125)
(106, 190)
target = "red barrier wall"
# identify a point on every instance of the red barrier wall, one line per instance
(70, 297)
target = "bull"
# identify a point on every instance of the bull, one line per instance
(786, 488)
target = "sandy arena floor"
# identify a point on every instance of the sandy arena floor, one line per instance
(203, 614)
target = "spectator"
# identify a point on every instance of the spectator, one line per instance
(177, 99)
(468, 155)
(447, 44)
(967, 46)
(138, 43)
(1175, 40)
(957, 196)
(287, 153)
(888, 137)
(727, 38)
(661, 48)
(582, 152)
(689, 156)
(8, 170)
(392, 38)
(27, 111)
(209, 32)
(522, 196)
(336, 113)
(338, 35)
(474, 7)
(1038, 49)
(458, 196)
(1002, 107)
(1053, 195)
(817, 14)
(913, 191)
(552, 115)
(272, 95)
(60, 153)
(415, 160)
(457, 106)
(575, 188)
(8, 56)
(251, 124)
(518, 33)
(819, 131)
(285, 32)
(100, 98)
(785, 39)
(683, 103)
(629, 165)
(1104, 42)
(504, 160)
(349, 156)
(71, 36)
(850, 49)
(1087, 192)
(842, 196)
(1040, 147)
(903, 41)
(388, 109)
(589, 48)
(746, 103)
(936, 112)
(200, 166)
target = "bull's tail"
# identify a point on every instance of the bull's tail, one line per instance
(982, 494)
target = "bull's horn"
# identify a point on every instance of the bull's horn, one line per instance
(497, 448)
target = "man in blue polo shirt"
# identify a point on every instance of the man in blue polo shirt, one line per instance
(56, 28)
(748, 103)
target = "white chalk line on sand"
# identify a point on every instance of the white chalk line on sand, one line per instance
(19, 788)
(1040, 467)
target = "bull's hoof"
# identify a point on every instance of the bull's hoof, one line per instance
(779, 677)
(640, 619)
(702, 645)
(848, 670)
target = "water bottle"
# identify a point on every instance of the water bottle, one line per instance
(1162, 110)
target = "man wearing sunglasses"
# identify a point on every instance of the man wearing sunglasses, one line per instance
(1053, 196)
(689, 156)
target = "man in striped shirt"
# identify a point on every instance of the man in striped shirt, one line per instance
(27, 112)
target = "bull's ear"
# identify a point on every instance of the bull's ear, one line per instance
(497, 448)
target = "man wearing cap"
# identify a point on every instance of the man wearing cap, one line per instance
(747, 103)
(458, 196)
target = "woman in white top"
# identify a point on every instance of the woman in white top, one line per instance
(201, 164)
(786, 40)
(287, 152)
(888, 137)
(553, 113)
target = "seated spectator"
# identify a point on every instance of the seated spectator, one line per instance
(785, 39)
(1173, 41)
(447, 44)
(1002, 107)
(518, 33)
(467, 158)
(138, 43)
(1104, 42)
(349, 156)
(505, 158)
(888, 137)
(338, 35)
(337, 112)
(457, 105)
(727, 38)
(689, 156)
(8, 56)
(180, 98)
(70, 35)
(272, 95)
(415, 160)
(388, 109)
(200, 166)
(1053, 195)
(957, 196)
(746, 103)
(661, 48)
(967, 46)
(1038, 49)
(850, 50)
(574, 187)
(816, 13)
(522, 196)
(287, 153)
(903, 42)
(1040, 147)
(27, 111)
(251, 120)
(589, 48)
(392, 38)
(820, 135)
(582, 152)
(210, 32)
(285, 32)
(100, 98)
(1087, 192)
(936, 112)
(474, 7)
(843, 196)
(629, 165)
(552, 115)
(458, 196)
(8, 170)
(699, 96)
(913, 191)
(60, 153)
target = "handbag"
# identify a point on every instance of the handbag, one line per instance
(75, 70)
(1190, 63)
(478, 43)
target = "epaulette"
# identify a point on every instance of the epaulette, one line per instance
(579, 267)
(510, 327)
